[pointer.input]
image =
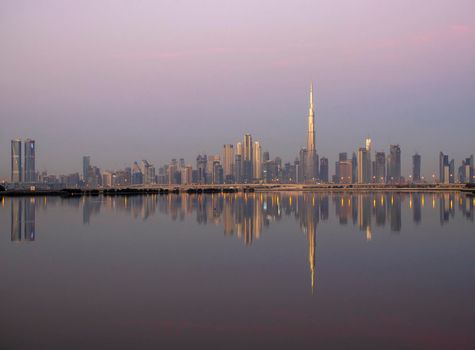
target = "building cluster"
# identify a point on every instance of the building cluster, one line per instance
(447, 175)
(362, 169)
(246, 163)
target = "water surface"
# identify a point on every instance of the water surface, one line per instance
(254, 271)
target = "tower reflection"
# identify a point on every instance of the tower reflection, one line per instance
(247, 216)
(309, 224)
(23, 218)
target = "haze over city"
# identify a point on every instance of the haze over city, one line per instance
(123, 82)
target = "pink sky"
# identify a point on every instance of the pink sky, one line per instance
(122, 81)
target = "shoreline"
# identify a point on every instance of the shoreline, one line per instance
(239, 188)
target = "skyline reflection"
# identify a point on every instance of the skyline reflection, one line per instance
(247, 215)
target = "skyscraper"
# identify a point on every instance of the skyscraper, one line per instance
(30, 172)
(368, 144)
(380, 167)
(363, 175)
(239, 148)
(257, 161)
(247, 158)
(228, 163)
(186, 175)
(148, 172)
(16, 159)
(201, 162)
(443, 162)
(86, 164)
(324, 169)
(416, 168)
(345, 172)
(468, 170)
(218, 177)
(394, 164)
(452, 171)
(311, 150)
(238, 168)
(137, 175)
(354, 168)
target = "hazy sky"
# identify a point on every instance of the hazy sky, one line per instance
(131, 80)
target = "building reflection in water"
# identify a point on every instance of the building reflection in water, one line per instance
(246, 215)
(416, 200)
(23, 219)
(446, 207)
(308, 222)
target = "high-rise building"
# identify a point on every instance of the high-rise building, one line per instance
(394, 164)
(297, 170)
(310, 173)
(443, 162)
(380, 168)
(228, 163)
(342, 157)
(107, 178)
(368, 143)
(16, 160)
(345, 172)
(137, 175)
(86, 164)
(446, 174)
(324, 169)
(257, 161)
(148, 172)
(239, 148)
(238, 168)
(30, 172)
(247, 159)
(468, 170)
(472, 169)
(186, 175)
(201, 162)
(174, 176)
(416, 168)
(452, 171)
(369, 167)
(363, 175)
(218, 177)
(144, 168)
(354, 168)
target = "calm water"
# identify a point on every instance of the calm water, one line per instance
(256, 271)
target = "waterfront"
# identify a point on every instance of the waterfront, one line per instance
(238, 270)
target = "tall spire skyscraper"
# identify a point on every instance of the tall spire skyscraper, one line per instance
(311, 150)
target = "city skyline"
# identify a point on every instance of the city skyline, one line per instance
(407, 165)
(247, 163)
(141, 95)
